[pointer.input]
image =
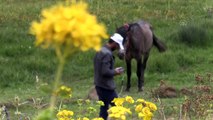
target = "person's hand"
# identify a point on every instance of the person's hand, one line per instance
(119, 70)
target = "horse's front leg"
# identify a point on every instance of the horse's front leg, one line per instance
(128, 64)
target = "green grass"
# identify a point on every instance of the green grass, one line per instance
(21, 61)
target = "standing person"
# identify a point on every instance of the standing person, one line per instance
(105, 72)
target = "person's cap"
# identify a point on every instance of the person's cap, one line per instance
(118, 39)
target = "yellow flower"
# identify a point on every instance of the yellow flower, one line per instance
(140, 100)
(85, 118)
(129, 99)
(151, 105)
(118, 112)
(139, 108)
(97, 119)
(65, 115)
(68, 25)
(118, 101)
(64, 92)
(146, 111)
(123, 117)
(141, 115)
(145, 114)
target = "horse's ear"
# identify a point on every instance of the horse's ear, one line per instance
(126, 25)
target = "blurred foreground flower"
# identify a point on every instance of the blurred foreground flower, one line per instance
(46, 114)
(67, 28)
(68, 25)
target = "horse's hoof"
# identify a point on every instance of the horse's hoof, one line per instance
(140, 89)
(127, 90)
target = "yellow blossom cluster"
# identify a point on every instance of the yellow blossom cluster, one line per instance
(65, 115)
(69, 115)
(118, 101)
(118, 112)
(68, 25)
(84, 118)
(145, 109)
(129, 99)
(98, 118)
(140, 100)
(64, 92)
(151, 105)
(146, 114)
(121, 101)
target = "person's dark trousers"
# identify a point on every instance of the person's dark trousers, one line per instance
(106, 96)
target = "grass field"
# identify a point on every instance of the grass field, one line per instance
(21, 62)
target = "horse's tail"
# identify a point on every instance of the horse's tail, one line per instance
(159, 44)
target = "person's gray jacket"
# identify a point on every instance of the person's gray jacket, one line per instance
(104, 69)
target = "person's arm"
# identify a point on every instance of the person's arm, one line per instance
(105, 68)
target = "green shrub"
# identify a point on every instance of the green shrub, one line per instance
(194, 35)
(163, 63)
(184, 59)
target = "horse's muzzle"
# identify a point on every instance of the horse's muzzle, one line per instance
(121, 54)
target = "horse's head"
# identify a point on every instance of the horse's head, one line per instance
(123, 30)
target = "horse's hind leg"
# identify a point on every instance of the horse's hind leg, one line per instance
(128, 64)
(145, 59)
(141, 72)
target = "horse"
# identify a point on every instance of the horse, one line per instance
(138, 41)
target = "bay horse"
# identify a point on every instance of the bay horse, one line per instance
(138, 41)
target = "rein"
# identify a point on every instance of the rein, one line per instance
(127, 27)
(122, 85)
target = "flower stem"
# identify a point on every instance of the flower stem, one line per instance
(57, 82)
(62, 55)
(59, 109)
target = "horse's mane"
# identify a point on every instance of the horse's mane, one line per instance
(123, 30)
